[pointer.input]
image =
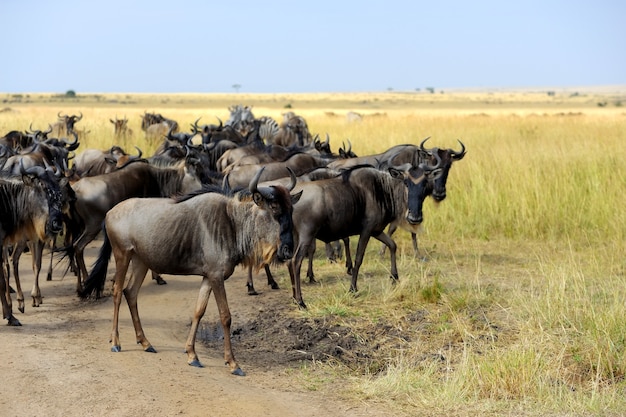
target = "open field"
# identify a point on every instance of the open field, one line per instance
(516, 302)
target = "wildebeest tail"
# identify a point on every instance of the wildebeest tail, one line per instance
(97, 277)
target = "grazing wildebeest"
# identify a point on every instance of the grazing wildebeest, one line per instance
(206, 234)
(362, 201)
(95, 196)
(30, 208)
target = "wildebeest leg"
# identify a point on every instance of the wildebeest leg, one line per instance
(250, 283)
(414, 239)
(36, 249)
(138, 274)
(215, 284)
(309, 272)
(346, 243)
(18, 249)
(53, 246)
(270, 278)
(389, 242)
(294, 266)
(79, 248)
(358, 260)
(7, 312)
(122, 259)
(390, 231)
(158, 278)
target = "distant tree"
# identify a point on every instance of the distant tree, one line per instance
(431, 90)
(551, 93)
(390, 89)
(70, 93)
(236, 87)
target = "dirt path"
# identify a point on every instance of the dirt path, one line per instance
(59, 362)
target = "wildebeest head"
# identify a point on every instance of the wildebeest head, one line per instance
(278, 201)
(69, 121)
(447, 157)
(416, 180)
(47, 180)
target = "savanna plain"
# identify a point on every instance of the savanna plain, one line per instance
(514, 305)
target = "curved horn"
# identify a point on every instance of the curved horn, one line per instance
(140, 153)
(327, 139)
(255, 181)
(292, 175)
(77, 118)
(37, 170)
(70, 144)
(59, 115)
(458, 155)
(194, 127)
(427, 167)
(422, 145)
(221, 124)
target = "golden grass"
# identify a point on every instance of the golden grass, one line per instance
(519, 308)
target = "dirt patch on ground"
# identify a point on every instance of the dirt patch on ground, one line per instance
(59, 362)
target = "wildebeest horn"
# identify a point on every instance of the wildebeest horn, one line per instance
(292, 175)
(327, 139)
(422, 145)
(221, 124)
(255, 180)
(37, 170)
(458, 155)
(59, 115)
(76, 119)
(140, 153)
(71, 144)
(194, 127)
(427, 167)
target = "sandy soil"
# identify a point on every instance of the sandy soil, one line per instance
(59, 362)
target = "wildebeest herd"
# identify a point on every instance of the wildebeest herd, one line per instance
(249, 191)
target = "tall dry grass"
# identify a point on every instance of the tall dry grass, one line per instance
(519, 306)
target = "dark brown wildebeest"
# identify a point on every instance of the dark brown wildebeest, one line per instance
(156, 126)
(293, 130)
(30, 208)
(362, 201)
(206, 234)
(95, 196)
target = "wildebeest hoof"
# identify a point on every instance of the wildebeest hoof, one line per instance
(116, 348)
(196, 363)
(14, 322)
(274, 286)
(11, 290)
(160, 281)
(150, 349)
(301, 304)
(238, 372)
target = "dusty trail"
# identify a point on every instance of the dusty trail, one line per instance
(59, 362)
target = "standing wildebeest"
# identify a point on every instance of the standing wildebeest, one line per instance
(65, 125)
(30, 208)
(362, 201)
(95, 196)
(156, 126)
(122, 131)
(205, 234)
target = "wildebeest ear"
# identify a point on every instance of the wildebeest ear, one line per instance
(396, 173)
(258, 198)
(109, 160)
(296, 197)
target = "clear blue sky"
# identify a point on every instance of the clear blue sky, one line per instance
(92, 46)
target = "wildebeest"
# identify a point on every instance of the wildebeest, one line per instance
(30, 208)
(93, 162)
(293, 130)
(204, 234)
(156, 126)
(362, 201)
(122, 131)
(65, 125)
(95, 196)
